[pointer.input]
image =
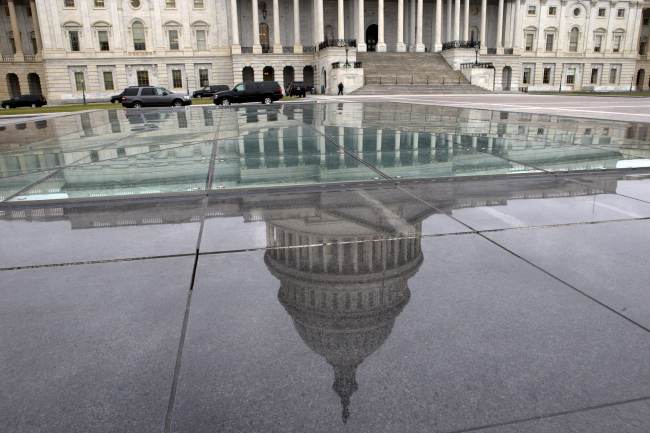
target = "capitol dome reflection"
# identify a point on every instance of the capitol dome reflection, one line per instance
(343, 292)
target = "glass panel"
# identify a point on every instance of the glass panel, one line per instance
(170, 3)
(99, 3)
(173, 39)
(108, 81)
(68, 3)
(529, 42)
(103, 40)
(200, 39)
(204, 79)
(143, 78)
(198, 3)
(597, 43)
(138, 37)
(573, 40)
(617, 44)
(79, 81)
(549, 42)
(177, 79)
(74, 40)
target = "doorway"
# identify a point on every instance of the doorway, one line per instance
(268, 74)
(248, 74)
(640, 78)
(506, 78)
(13, 85)
(372, 33)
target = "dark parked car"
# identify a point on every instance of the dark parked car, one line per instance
(36, 100)
(297, 88)
(116, 98)
(259, 91)
(149, 96)
(209, 91)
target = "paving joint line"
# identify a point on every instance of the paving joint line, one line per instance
(605, 192)
(553, 415)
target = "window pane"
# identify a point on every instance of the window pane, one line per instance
(29, 11)
(170, 3)
(13, 45)
(143, 78)
(138, 37)
(612, 76)
(594, 76)
(177, 79)
(68, 3)
(203, 77)
(526, 75)
(147, 92)
(621, 13)
(103, 41)
(531, 10)
(551, 10)
(529, 42)
(601, 12)
(597, 43)
(200, 40)
(547, 76)
(79, 81)
(198, 3)
(173, 39)
(108, 81)
(99, 3)
(617, 44)
(74, 40)
(570, 76)
(573, 40)
(549, 42)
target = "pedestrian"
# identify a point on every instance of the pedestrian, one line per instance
(340, 88)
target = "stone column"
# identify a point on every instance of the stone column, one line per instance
(483, 25)
(19, 56)
(448, 29)
(297, 48)
(381, 43)
(457, 21)
(466, 21)
(236, 48)
(437, 42)
(419, 46)
(277, 45)
(401, 46)
(500, 28)
(516, 37)
(361, 44)
(341, 22)
(321, 22)
(37, 28)
(257, 48)
(412, 26)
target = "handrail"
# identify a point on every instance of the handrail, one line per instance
(460, 44)
(481, 65)
(337, 43)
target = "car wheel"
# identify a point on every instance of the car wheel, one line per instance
(199, 96)
(136, 105)
(267, 100)
(177, 103)
(225, 101)
(114, 101)
(33, 105)
(6, 106)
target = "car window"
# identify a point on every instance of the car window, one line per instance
(207, 88)
(147, 92)
(16, 98)
(130, 91)
(167, 90)
(159, 91)
(240, 87)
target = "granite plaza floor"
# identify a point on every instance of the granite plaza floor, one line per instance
(352, 267)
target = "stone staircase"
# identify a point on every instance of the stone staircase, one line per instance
(411, 74)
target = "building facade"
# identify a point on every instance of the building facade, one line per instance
(98, 47)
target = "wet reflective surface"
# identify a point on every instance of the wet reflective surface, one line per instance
(501, 304)
(125, 153)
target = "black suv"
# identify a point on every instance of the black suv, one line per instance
(116, 98)
(149, 96)
(296, 88)
(209, 91)
(36, 100)
(259, 91)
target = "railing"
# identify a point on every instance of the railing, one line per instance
(309, 49)
(508, 51)
(460, 44)
(267, 50)
(287, 49)
(140, 53)
(30, 57)
(336, 65)
(492, 51)
(6, 58)
(481, 65)
(357, 65)
(247, 50)
(337, 43)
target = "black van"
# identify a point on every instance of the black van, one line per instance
(209, 91)
(36, 100)
(259, 91)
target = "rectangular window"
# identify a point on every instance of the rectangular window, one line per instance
(173, 39)
(115, 128)
(594, 76)
(546, 79)
(79, 81)
(612, 75)
(99, 3)
(531, 10)
(617, 44)
(177, 79)
(207, 116)
(74, 40)
(570, 76)
(13, 45)
(621, 13)
(138, 38)
(170, 4)
(529, 42)
(198, 4)
(108, 81)
(549, 42)
(526, 75)
(573, 40)
(32, 41)
(642, 47)
(646, 21)
(94, 155)
(121, 152)
(68, 3)
(200, 40)
(552, 11)
(103, 41)
(29, 11)
(7, 14)
(204, 79)
(182, 119)
(598, 42)
(143, 78)
(601, 12)
(540, 131)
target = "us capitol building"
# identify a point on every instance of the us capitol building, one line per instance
(64, 47)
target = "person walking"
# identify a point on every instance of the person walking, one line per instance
(340, 88)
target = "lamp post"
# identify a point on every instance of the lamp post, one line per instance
(347, 48)
(477, 48)
(83, 90)
(187, 83)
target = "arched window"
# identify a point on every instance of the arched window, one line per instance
(138, 37)
(573, 39)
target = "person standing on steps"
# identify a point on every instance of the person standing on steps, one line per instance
(340, 88)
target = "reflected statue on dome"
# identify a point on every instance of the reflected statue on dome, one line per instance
(343, 292)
